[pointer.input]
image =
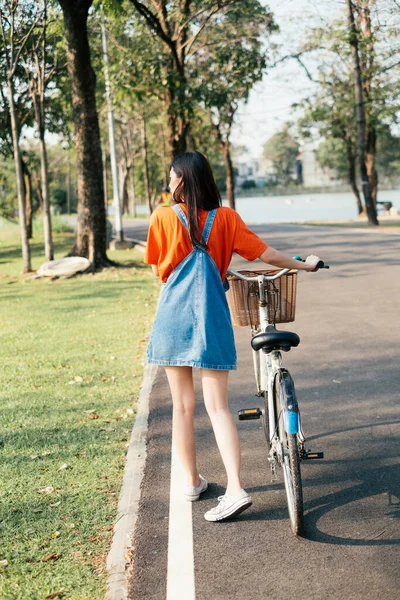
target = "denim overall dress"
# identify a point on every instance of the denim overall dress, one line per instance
(192, 326)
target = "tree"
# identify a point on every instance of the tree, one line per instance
(91, 227)
(371, 39)
(178, 25)
(331, 111)
(282, 150)
(230, 59)
(17, 23)
(39, 71)
(361, 120)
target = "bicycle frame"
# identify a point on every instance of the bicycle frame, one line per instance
(266, 368)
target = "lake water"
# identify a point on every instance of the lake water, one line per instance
(303, 207)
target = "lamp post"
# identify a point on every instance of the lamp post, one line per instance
(113, 155)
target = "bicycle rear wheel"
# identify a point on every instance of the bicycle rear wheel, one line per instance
(290, 465)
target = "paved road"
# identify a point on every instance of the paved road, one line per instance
(347, 377)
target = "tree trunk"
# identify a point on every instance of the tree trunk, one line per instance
(164, 158)
(370, 155)
(26, 253)
(28, 200)
(177, 127)
(361, 123)
(104, 158)
(367, 56)
(145, 166)
(48, 240)
(131, 193)
(91, 225)
(352, 176)
(230, 191)
(122, 186)
(68, 184)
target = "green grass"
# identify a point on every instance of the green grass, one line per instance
(72, 357)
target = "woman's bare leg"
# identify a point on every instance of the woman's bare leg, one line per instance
(215, 392)
(180, 381)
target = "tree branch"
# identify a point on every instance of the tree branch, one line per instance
(2, 16)
(22, 46)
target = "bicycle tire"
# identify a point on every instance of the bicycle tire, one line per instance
(291, 468)
(265, 420)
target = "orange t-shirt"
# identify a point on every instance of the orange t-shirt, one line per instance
(168, 241)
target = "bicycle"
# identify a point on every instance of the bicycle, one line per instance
(280, 415)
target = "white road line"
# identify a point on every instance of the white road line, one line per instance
(180, 576)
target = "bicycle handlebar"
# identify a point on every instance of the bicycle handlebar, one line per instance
(266, 277)
(320, 265)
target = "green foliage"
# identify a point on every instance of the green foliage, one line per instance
(330, 110)
(331, 153)
(8, 190)
(231, 57)
(282, 149)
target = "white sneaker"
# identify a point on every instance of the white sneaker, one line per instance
(229, 506)
(192, 493)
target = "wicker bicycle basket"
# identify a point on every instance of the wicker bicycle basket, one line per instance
(242, 298)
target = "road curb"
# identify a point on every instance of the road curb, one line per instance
(128, 504)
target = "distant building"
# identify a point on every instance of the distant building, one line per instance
(307, 170)
(312, 173)
(251, 169)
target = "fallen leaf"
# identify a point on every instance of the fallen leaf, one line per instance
(78, 379)
(3, 563)
(47, 490)
(129, 411)
(94, 539)
(90, 411)
(64, 466)
(45, 453)
(69, 525)
(38, 510)
(53, 556)
(93, 416)
(33, 456)
(107, 429)
(55, 504)
(54, 595)
(55, 534)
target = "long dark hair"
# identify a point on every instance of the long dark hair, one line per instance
(197, 189)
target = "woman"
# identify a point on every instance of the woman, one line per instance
(190, 246)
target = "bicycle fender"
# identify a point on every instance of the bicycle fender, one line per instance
(289, 401)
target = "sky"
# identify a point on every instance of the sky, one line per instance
(270, 101)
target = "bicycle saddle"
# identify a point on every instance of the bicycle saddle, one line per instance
(272, 339)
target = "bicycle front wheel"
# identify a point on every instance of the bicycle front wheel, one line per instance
(290, 465)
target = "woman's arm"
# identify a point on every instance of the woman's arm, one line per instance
(155, 270)
(271, 256)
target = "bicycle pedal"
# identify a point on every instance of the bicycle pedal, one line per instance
(312, 455)
(247, 414)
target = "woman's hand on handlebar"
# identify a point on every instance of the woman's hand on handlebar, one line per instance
(312, 263)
